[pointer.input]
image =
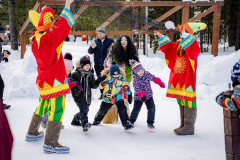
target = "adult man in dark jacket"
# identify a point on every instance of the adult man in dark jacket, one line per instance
(100, 49)
(2, 56)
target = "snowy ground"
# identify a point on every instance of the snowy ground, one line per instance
(112, 141)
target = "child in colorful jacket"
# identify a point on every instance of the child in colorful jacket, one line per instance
(113, 93)
(230, 101)
(143, 93)
(46, 45)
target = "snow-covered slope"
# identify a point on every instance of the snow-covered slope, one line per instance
(112, 141)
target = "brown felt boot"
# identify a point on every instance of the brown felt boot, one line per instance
(190, 115)
(181, 117)
(51, 144)
(33, 133)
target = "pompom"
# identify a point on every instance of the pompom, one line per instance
(132, 62)
(87, 56)
(68, 56)
(113, 62)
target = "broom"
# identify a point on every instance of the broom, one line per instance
(111, 116)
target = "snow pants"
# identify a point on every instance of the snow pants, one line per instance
(55, 108)
(122, 111)
(150, 107)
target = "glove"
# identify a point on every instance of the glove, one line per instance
(74, 84)
(105, 82)
(184, 35)
(130, 98)
(142, 95)
(100, 79)
(144, 99)
(220, 98)
(159, 82)
(76, 92)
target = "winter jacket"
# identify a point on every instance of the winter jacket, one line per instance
(101, 50)
(116, 88)
(143, 84)
(230, 104)
(87, 81)
(123, 65)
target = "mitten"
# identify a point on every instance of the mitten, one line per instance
(130, 98)
(100, 79)
(159, 82)
(142, 95)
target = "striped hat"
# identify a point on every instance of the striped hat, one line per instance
(235, 74)
(136, 66)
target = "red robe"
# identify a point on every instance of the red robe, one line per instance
(47, 49)
(6, 138)
(182, 80)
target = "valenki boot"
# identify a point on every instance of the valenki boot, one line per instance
(51, 144)
(33, 134)
(181, 118)
(190, 115)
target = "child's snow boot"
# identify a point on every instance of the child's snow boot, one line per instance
(5, 106)
(151, 126)
(33, 134)
(86, 126)
(75, 122)
(95, 123)
(190, 115)
(128, 126)
(51, 144)
(181, 117)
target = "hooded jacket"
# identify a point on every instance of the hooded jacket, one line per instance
(116, 88)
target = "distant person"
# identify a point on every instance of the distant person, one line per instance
(3, 55)
(100, 48)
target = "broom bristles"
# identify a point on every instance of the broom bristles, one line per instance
(111, 116)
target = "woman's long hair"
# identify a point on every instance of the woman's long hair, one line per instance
(118, 51)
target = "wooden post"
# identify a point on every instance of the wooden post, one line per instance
(185, 14)
(23, 43)
(232, 135)
(135, 36)
(40, 8)
(216, 29)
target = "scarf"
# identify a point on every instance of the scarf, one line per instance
(84, 79)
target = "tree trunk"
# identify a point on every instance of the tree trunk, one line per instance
(237, 46)
(13, 29)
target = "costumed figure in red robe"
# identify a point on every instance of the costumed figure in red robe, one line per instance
(181, 58)
(46, 44)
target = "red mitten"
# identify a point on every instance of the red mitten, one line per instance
(142, 95)
(73, 84)
(159, 82)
